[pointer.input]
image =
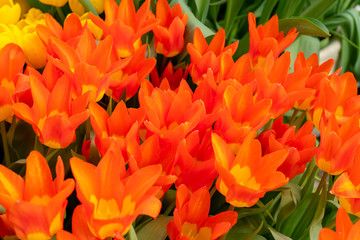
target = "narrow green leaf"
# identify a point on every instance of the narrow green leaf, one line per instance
(193, 22)
(277, 235)
(37, 4)
(244, 212)
(318, 8)
(156, 229)
(305, 26)
(88, 6)
(316, 224)
(287, 8)
(132, 234)
(232, 9)
(202, 9)
(267, 11)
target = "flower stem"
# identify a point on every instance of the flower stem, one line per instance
(60, 13)
(5, 144)
(293, 116)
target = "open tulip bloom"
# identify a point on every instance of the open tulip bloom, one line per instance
(135, 120)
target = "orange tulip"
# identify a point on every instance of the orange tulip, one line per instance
(172, 77)
(130, 77)
(299, 144)
(171, 115)
(204, 56)
(346, 188)
(121, 127)
(242, 114)
(35, 207)
(13, 60)
(246, 177)
(195, 162)
(345, 229)
(338, 144)
(125, 24)
(110, 209)
(191, 220)
(169, 34)
(266, 39)
(53, 116)
(5, 227)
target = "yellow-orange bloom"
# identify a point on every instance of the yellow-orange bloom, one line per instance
(53, 115)
(111, 202)
(9, 12)
(244, 178)
(191, 220)
(345, 229)
(35, 207)
(169, 34)
(55, 3)
(79, 9)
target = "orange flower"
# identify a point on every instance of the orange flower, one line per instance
(243, 113)
(267, 39)
(35, 207)
(246, 177)
(110, 209)
(345, 229)
(299, 144)
(346, 188)
(195, 162)
(121, 127)
(172, 77)
(204, 56)
(125, 25)
(53, 115)
(191, 219)
(88, 65)
(13, 60)
(5, 227)
(338, 144)
(171, 115)
(130, 77)
(169, 34)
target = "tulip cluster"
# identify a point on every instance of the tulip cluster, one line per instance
(242, 127)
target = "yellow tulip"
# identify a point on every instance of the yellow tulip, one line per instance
(56, 3)
(9, 12)
(79, 9)
(98, 32)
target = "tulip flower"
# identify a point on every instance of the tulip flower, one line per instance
(204, 56)
(299, 144)
(77, 7)
(169, 34)
(172, 76)
(53, 116)
(346, 187)
(125, 24)
(10, 12)
(110, 209)
(266, 39)
(191, 220)
(244, 178)
(35, 206)
(338, 144)
(121, 127)
(55, 3)
(13, 60)
(345, 229)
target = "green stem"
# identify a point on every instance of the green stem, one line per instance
(51, 153)
(268, 125)
(309, 180)
(293, 116)
(60, 13)
(169, 208)
(110, 106)
(88, 6)
(5, 144)
(308, 169)
(212, 191)
(322, 182)
(299, 120)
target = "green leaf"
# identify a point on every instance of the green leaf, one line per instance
(287, 8)
(290, 197)
(316, 225)
(267, 11)
(132, 234)
(246, 228)
(306, 44)
(318, 8)
(203, 8)
(305, 26)
(244, 212)
(156, 229)
(192, 23)
(88, 6)
(277, 235)
(232, 9)
(37, 4)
